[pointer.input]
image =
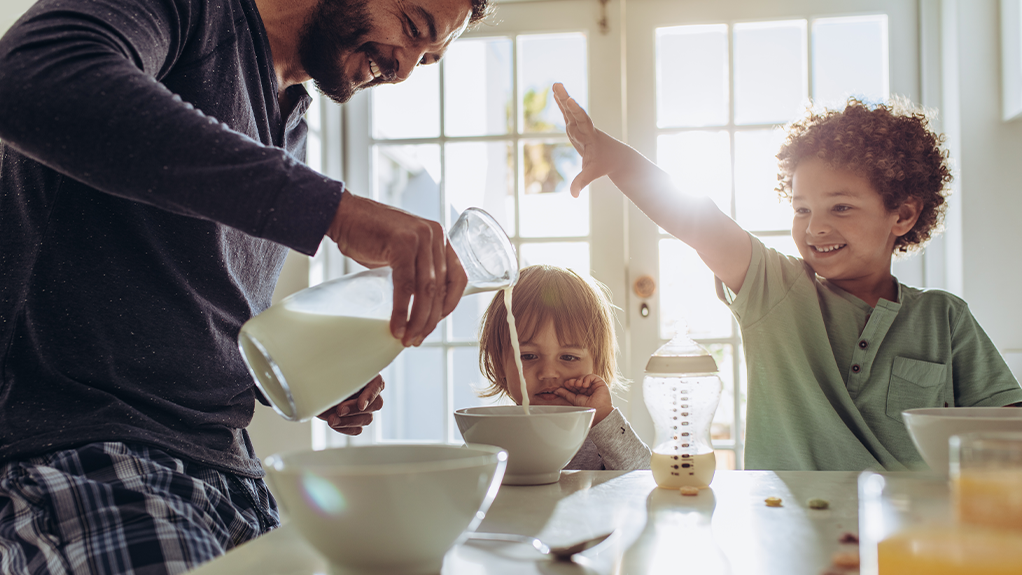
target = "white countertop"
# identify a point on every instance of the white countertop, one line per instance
(725, 529)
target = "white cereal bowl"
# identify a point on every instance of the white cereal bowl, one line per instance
(931, 428)
(538, 444)
(386, 508)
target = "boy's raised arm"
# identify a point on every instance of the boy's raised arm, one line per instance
(721, 243)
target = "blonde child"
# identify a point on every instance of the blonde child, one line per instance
(836, 347)
(568, 350)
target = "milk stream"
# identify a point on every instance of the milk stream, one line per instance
(683, 470)
(517, 348)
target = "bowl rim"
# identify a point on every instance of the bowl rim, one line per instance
(970, 413)
(278, 462)
(518, 412)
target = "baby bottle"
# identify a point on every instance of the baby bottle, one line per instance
(681, 389)
(317, 347)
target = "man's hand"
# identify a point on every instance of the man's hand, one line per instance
(425, 266)
(356, 412)
(588, 391)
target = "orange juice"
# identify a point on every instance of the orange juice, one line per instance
(951, 551)
(991, 497)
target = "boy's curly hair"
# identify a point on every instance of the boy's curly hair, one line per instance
(892, 145)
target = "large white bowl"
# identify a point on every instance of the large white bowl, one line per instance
(931, 428)
(538, 444)
(386, 508)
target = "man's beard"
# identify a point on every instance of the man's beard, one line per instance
(335, 28)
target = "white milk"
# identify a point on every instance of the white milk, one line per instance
(674, 471)
(324, 359)
(517, 348)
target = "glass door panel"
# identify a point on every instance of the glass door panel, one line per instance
(709, 99)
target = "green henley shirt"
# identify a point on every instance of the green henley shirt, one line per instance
(829, 375)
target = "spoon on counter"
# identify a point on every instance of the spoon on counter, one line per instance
(562, 553)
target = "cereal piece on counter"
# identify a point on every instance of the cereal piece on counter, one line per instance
(817, 503)
(846, 559)
(688, 490)
(849, 537)
(773, 501)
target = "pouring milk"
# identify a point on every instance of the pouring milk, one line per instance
(315, 348)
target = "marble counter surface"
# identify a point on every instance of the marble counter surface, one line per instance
(727, 529)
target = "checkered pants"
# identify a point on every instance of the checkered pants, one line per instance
(111, 508)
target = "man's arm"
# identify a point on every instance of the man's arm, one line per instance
(80, 93)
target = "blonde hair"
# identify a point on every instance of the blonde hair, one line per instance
(579, 309)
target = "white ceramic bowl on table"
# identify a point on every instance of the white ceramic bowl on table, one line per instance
(931, 428)
(386, 508)
(538, 444)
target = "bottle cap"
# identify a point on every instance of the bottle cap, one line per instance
(681, 355)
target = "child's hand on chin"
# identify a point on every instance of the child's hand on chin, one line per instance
(588, 391)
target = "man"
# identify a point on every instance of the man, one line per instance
(149, 190)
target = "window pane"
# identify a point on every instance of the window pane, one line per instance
(757, 205)
(687, 294)
(850, 59)
(692, 76)
(479, 174)
(468, 380)
(571, 255)
(544, 59)
(410, 109)
(547, 208)
(770, 71)
(783, 244)
(414, 396)
(466, 317)
(408, 177)
(699, 163)
(477, 87)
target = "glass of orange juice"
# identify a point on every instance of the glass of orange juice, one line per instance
(986, 479)
(907, 524)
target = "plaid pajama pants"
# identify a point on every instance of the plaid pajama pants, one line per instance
(111, 508)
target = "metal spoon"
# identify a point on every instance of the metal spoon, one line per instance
(563, 553)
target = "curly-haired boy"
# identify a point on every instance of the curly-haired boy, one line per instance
(836, 347)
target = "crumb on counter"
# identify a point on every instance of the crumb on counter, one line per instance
(688, 490)
(849, 537)
(846, 559)
(773, 501)
(817, 503)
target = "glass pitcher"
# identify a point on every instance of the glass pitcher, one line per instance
(681, 390)
(317, 347)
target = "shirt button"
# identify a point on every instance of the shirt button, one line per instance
(856, 368)
(863, 344)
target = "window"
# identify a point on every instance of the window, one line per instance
(708, 87)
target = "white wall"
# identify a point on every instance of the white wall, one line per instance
(990, 175)
(11, 10)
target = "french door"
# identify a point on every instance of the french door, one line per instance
(710, 85)
(702, 87)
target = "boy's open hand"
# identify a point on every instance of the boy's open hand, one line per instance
(586, 138)
(588, 391)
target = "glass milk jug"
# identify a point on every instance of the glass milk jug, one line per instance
(317, 347)
(681, 389)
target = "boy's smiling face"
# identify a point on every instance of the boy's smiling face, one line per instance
(842, 228)
(547, 365)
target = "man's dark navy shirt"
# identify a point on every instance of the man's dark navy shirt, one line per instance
(149, 189)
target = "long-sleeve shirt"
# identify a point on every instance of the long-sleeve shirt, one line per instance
(150, 186)
(612, 444)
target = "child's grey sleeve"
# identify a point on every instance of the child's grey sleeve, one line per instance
(619, 446)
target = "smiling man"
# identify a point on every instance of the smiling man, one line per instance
(151, 183)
